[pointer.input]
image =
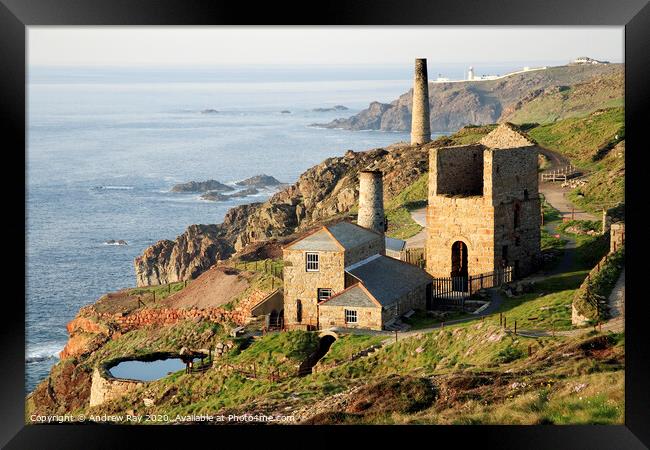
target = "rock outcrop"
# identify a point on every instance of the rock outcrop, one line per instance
(194, 251)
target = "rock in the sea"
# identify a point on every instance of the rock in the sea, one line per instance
(114, 242)
(209, 111)
(259, 181)
(218, 197)
(202, 186)
(193, 252)
(334, 108)
(214, 196)
(285, 112)
(245, 192)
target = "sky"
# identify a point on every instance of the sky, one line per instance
(236, 45)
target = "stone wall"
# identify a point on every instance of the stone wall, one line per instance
(616, 236)
(515, 191)
(374, 247)
(334, 316)
(459, 170)
(416, 299)
(106, 389)
(302, 285)
(466, 219)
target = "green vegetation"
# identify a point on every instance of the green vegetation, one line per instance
(275, 351)
(547, 307)
(582, 226)
(572, 101)
(400, 223)
(346, 346)
(580, 138)
(153, 339)
(161, 291)
(421, 319)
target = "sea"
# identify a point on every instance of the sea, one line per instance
(106, 144)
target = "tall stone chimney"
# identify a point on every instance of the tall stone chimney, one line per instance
(420, 127)
(371, 201)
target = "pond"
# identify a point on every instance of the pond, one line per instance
(147, 370)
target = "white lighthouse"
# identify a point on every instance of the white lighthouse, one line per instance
(470, 73)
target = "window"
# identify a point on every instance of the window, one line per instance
(298, 311)
(525, 194)
(312, 262)
(324, 294)
(350, 316)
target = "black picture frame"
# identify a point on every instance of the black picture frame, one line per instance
(16, 15)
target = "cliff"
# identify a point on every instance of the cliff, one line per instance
(454, 105)
(325, 191)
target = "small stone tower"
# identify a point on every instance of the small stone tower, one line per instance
(371, 201)
(420, 127)
(470, 73)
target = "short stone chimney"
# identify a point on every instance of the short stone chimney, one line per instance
(371, 201)
(420, 127)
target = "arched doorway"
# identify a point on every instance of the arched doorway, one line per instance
(459, 265)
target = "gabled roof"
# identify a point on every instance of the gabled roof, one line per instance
(388, 279)
(506, 135)
(356, 295)
(341, 236)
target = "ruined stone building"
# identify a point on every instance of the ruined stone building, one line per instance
(483, 208)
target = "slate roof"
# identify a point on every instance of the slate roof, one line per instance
(341, 236)
(355, 296)
(382, 281)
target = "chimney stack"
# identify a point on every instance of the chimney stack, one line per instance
(371, 201)
(420, 127)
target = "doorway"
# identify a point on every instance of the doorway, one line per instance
(459, 265)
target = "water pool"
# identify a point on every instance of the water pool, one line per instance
(147, 370)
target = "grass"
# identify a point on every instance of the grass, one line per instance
(346, 346)
(170, 338)
(582, 226)
(580, 138)
(420, 319)
(161, 291)
(400, 223)
(572, 101)
(547, 307)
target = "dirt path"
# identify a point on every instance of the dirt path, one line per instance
(555, 194)
(420, 217)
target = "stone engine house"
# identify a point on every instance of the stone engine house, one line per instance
(483, 208)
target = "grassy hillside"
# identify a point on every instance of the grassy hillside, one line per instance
(562, 102)
(580, 139)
